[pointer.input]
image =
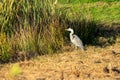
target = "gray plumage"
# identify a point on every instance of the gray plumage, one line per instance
(75, 39)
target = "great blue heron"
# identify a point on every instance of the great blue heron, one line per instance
(75, 39)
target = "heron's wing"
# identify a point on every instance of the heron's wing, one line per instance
(77, 41)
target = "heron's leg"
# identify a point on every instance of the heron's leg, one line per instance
(72, 45)
(76, 47)
(83, 49)
(78, 50)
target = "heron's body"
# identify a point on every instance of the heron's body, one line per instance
(75, 39)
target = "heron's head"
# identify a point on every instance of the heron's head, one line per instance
(69, 29)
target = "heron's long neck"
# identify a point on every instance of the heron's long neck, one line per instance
(71, 35)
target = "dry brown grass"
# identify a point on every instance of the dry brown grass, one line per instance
(95, 64)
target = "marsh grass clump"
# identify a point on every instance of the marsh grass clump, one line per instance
(29, 26)
(5, 48)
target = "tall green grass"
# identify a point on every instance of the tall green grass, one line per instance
(29, 26)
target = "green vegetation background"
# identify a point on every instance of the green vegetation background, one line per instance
(38, 26)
